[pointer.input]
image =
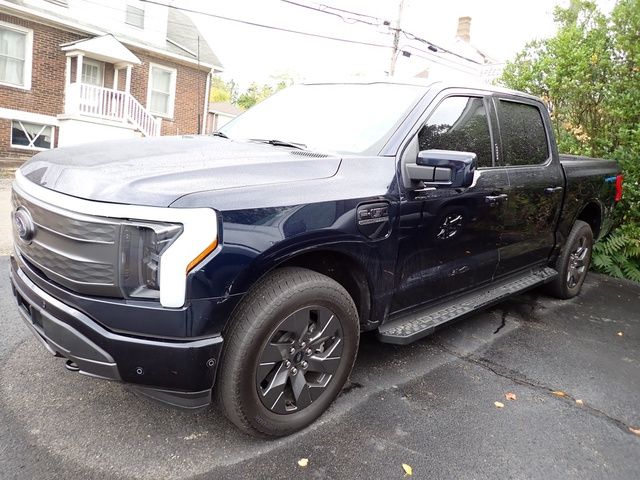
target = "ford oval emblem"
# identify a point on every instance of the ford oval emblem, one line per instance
(25, 228)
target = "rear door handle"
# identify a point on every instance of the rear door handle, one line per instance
(551, 190)
(495, 199)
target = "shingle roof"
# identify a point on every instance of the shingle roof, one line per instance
(183, 37)
(225, 107)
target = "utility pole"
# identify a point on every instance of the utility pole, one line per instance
(396, 40)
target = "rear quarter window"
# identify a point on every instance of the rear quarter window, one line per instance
(524, 140)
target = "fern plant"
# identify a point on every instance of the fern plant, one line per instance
(618, 254)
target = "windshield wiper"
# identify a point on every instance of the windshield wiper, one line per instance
(219, 134)
(280, 143)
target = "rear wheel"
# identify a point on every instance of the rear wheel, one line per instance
(573, 263)
(288, 351)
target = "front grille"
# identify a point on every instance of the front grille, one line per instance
(79, 252)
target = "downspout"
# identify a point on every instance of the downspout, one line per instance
(206, 104)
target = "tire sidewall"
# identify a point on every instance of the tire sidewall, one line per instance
(579, 230)
(317, 293)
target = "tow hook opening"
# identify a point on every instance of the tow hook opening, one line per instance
(71, 366)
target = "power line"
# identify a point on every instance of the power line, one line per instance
(353, 13)
(344, 18)
(268, 27)
(436, 59)
(411, 36)
(397, 30)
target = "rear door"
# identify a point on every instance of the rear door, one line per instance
(536, 183)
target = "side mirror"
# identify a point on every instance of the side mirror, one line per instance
(444, 167)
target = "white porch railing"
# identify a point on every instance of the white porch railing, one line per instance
(110, 104)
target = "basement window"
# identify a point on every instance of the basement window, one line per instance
(32, 136)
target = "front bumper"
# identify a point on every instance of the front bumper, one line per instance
(179, 373)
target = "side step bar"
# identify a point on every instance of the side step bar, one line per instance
(412, 326)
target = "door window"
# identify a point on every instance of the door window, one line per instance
(92, 73)
(524, 140)
(460, 124)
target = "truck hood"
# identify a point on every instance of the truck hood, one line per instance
(158, 171)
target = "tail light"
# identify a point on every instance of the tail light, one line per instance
(619, 180)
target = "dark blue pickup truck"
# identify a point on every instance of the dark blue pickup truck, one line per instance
(247, 263)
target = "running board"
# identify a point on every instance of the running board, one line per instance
(410, 327)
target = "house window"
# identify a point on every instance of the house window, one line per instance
(135, 16)
(34, 136)
(15, 55)
(93, 72)
(162, 90)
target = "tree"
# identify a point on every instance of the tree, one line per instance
(257, 93)
(589, 73)
(222, 91)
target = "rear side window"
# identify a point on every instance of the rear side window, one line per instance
(524, 141)
(459, 124)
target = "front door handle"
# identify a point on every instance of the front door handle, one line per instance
(550, 190)
(495, 199)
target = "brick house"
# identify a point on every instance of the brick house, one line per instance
(73, 71)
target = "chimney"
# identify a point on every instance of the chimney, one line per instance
(464, 29)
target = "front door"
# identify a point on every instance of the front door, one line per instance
(536, 184)
(449, 238)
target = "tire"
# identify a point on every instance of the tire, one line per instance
(257, 389)
(573, 263)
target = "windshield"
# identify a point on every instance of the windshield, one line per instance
(349, 118)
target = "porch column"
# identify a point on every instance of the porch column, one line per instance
(68, 95)
(115, 78)
(67, 72)
(79, 68)
(127, 85)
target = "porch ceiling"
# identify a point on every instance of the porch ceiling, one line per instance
(106, 48)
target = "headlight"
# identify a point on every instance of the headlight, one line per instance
(141, 246)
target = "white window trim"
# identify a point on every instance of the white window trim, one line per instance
(28, 55)
(32, 147)
(95, 63)
(172, 90)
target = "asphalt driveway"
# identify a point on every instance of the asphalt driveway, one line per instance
(429, 405)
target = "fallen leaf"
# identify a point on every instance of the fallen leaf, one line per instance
(303, 462)
(559, 393)
(634, 430)
(408, 471)
(620, 334)
(510, 396)
(579, 402)
(499, 404)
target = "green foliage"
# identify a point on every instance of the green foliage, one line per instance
(222, 91)
(589, 73)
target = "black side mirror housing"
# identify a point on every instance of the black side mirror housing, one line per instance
(444, 167)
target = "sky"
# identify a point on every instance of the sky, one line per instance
(499, 28)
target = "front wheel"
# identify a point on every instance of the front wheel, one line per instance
(573, 263)
(288, 351)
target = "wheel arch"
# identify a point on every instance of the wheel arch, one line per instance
(342, 268)
(591, 213)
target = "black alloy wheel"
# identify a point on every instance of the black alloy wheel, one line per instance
(288, 350)
(299, 360)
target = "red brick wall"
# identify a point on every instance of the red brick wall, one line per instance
(47, 77)
(46, 95)
(190, 86)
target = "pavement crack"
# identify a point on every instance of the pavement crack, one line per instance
(521, 379)
(504, 322)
